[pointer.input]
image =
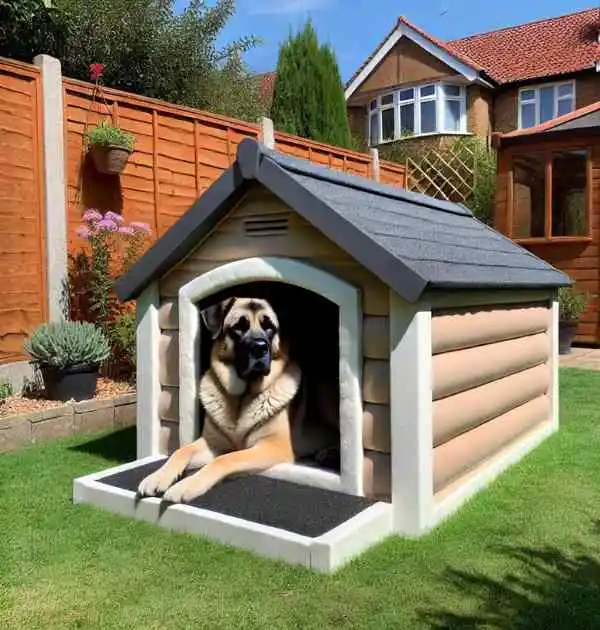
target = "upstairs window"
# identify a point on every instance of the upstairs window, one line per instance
(417, 111)
(543, 103)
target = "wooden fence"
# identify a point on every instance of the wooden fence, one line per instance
(179, 152)
(22, 235)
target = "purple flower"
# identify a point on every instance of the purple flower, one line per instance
(113, 216)
(140, 227)
(91, 216)
(83, 232)
(126, 229)
(108, 225)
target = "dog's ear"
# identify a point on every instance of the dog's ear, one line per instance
(214, 316)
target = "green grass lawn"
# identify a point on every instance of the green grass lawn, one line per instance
(523, 554)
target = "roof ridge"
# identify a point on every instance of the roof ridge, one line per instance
(358, 182)
(514, 26)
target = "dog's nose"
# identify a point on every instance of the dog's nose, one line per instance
(259, 348)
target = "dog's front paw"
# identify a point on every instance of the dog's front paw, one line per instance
(156, 483)
(186, 490)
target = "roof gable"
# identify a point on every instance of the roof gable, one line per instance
(409, 241)
(459, 62)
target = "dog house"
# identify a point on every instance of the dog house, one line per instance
(442, 335)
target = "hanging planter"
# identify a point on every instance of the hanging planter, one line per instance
(110, 147)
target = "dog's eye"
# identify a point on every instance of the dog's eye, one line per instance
(267, 325)
(241, 326)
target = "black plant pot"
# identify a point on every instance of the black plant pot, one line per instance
(70, 383)
(566, 333)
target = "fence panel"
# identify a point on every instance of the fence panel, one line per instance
(179, 153)
(23, 303)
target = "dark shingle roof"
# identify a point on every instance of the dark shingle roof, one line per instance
(411, 241)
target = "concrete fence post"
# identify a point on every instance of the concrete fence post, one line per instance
(54, 184)
(267, 132)
(375, 163)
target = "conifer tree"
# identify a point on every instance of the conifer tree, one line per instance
(308, 99)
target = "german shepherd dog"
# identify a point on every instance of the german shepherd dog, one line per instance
(254, 402)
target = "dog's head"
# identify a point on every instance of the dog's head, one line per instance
(245, 334)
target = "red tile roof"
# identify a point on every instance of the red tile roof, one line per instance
(555, 122)
(552, 46)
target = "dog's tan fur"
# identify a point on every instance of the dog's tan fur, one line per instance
(247, 425)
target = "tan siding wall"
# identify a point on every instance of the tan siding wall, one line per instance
(491, 378)
(228, 242)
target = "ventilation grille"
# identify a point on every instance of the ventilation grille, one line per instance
(266, 225)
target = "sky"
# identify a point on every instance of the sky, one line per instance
(355, 27)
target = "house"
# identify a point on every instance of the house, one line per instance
(414, 84)
(443, 356)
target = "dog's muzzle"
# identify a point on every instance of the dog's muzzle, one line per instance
(256, 357)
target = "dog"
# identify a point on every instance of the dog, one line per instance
(254, 400)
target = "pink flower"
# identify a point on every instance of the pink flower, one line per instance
(83, 232)
(113, 216)
(140, 227)
(96, 71)
(126, 229)
(108, 225)
(91, 216)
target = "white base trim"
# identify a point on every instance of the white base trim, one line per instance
(325, 553)
(490, 471)
(341, 293)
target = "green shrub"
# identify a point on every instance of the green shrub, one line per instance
(67, 345)
(124, 333)
(572, 304)
(6, 390)
(106, 135)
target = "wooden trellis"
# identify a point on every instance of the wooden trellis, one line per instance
(445, 174)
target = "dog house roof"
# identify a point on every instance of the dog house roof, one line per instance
(410, 241)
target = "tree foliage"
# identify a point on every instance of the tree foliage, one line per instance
(308, 99)
(29, 28)
(147, 48)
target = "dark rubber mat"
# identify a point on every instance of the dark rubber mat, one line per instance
(290, 506)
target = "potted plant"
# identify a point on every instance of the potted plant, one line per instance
(69, 356)
(110, 147)
(571, 306)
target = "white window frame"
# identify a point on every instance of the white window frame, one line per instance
(536, 100)
(438, 96)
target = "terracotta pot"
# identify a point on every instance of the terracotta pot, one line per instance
(110, 160)
(566, 333)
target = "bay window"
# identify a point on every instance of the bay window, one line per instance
(416, 111)
(543, 103)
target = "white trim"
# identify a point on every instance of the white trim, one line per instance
(147, 378)
(536, 100)
(489, 471)
(554, 364)
(325, 553)
(403, 30)
(411, 416)
(347, 298)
